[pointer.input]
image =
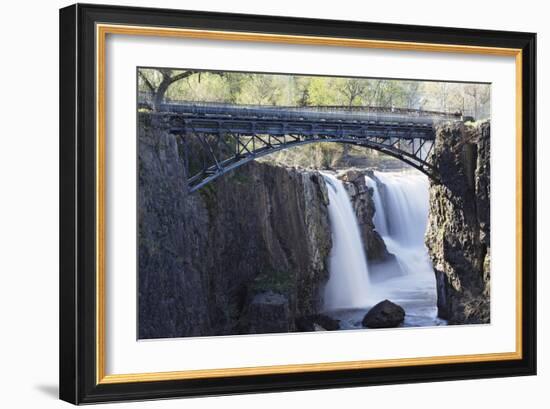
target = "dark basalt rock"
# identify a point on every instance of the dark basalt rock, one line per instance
(203, 256)
(268, 313)
(328, 323)
(363, 204)
(385, 314)
(312, 322)
(458, 235)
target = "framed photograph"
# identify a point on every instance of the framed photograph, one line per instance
(258, 203)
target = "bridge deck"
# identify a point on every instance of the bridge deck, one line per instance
(333, 114)
(227, 136)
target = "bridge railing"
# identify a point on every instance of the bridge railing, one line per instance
(323, 108)
(325, 113)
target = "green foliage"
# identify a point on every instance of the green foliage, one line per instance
(328, 155)
(331, 156)
(303, 90)
(201, 87)
(152, 75)
(236, 83)
(261, 89)
(321, 92)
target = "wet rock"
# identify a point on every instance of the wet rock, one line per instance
(458, 235)
(309, 323)
(385, 314)
(363, 204)
(330, 324)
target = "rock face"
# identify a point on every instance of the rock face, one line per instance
(363, 204)
(458, 236)
(385, 314)
(205, 258)
(314, 322)
(269, 313)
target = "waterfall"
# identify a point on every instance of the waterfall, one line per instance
(348, 285)
(379, 218)
(401, 217)
(406, 200)
(401, 201)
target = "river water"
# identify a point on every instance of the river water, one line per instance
(401, 201)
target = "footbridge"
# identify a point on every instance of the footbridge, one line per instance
(218, 138)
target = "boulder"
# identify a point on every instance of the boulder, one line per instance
(328, 323)
(385, 314)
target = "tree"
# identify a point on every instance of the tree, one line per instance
(383, 93)
(321, 91)
(206, 86)
(235, 83)
(411, 94)
(353, 89)
(158, 86)
(302, 91)
(480, 95)
(436, 96)
(260, 89)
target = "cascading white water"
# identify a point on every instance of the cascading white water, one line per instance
(379, 218)
(348, 285)
(401, 201)
(406, 200)
(401, 217)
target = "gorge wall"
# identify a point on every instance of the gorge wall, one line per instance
(245, 254)
(361, 196)
(248, 253)
(458, 236)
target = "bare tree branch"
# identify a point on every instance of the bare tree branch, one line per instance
(146, 81)
(181, 76)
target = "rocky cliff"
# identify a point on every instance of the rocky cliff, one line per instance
(458, 236)
(246, 253)
(361, 197)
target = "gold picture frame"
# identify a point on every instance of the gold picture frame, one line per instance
(99, 21)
